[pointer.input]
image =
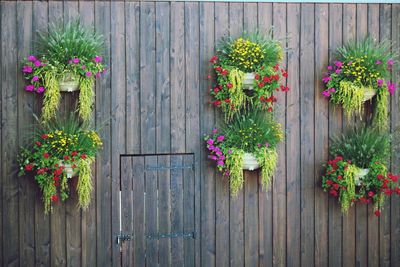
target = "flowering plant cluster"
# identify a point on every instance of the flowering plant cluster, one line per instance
(236, 58)
(256, 133)
(57, 151)
(344, 181)
(360, 71)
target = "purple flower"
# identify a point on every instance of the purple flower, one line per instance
(329, 68)
(326, 93)
(75, 60)
(215, 130)
(213, 157)
(88, 74)
(32, 58)
(220, 138)
(258, 145)
(27, 69)
(98, 75)
(378, 62)
(37, 63)
(326, 79)
(210, 141)
(30, 88)
(338, 71)
(98, 59)
(211, 147)
(338, 64)
(218, 153)
(222, 157)
(391, 87)
(390, 62)
(227, 173)
(216, 149)
(35, 78)
(40, 89)
(379, 82)
(83, 67)
(220, 163)
(332, 90)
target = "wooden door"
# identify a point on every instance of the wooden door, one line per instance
(158, 210)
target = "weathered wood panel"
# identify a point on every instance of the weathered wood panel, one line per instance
(155, 100)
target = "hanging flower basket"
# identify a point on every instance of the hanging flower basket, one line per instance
(359, 175)
(369, 93)
(69, 169)
(69, 83)
(248, 80)
(250, 162)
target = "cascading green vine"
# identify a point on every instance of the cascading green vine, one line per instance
(351, 97)
(348, 195)
(52, 96)
(381, 113)
(84, 186)
(238, 97)
(48, 190)
(234, 163)
(86, 98)
(268, 159)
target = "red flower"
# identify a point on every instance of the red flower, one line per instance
(371, 194)
(74, 153)
(257, 76)
(387, 192)
(333, 192)
(229, 85)
(74, 166)
(276, 67)
(216, 103)
(54, 198)
(83, 156)
(377, 213)
(363, 200)
(262, 98)
(219, 69)
(224, 72)
(28, 167)
(56, 184)
(56, 178)
(46, 155)
(397, 190)
(329, 182)
(214, 59)
(393, 177)
(336, 186)
(380, 177)
(216, 90)
(66, 157)
(227, 100)
(339, 177)
(41, 171)
(339, 158)
(269, 109)
(349, 161)
(57, 172)
(45, 136)
(38, 143)
(261, 85)
(266, 79)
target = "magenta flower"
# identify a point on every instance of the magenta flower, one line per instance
(326, 93)
(83, 67)
(258, 145)
(222, 157)
(32, 58)
(379, 82)
(211, 147)
(98, 59)
(390, 62)
(210, 141)
(216, 149)
(378, 62)
(338, 64)
(326, 79)
(30, 88)
(37, 63)
(338, 71)
(332, 90)
(213, 157)
(220, 163)
(329, 68)
(40, 89)
(75, 60)
(27, 69)
(220, 138)
(98, 75)
(88, 74)
(219, 153)
(35, 79)
(215, 130)
(391, 87)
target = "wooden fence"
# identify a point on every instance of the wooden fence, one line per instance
(155, 100)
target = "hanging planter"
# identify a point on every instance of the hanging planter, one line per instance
(248, 73)
(68, 59)
(358, 171)
(61, 151)
(248, 142)
(359, 73)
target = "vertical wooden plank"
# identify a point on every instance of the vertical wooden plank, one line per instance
(207, 232)
(394, 113)
(1, 148)
(164, 211)
(177, 253)
(103, 163)
(349, 35)
(322, 128)
(335, 122)
(151, 205)
(138, 219)
(265, 197)
(127, 177)
(132, 58)
(385, 20)
(42, 222)
(25, 108)
(361, 211)
(222, 218)
(279, 184)
(373, 221)
(251, 231)
(118, 123)
(192, 125)
(293, 137)
(307, 134)
(236, 205)
(9, 133)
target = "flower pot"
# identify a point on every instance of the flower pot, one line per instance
(69, 83)
(250, 162)
(369, 93)
(69, 171)
(359, 175)
(248, 81)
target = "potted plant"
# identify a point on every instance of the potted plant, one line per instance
(248, 73)
(247, 142)
(61, 150)
(68, 59)
(358, 170)
(361, 71)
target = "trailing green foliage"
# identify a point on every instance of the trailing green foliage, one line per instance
(84, 186)
(86, 98)
(268, 159)
(381, 113)
(349, 194)
(52, 96)
(234, 163)
(350, 96)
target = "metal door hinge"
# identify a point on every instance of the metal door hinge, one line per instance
(122, 237)
(172, 235)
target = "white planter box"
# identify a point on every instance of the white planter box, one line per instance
(250, 162)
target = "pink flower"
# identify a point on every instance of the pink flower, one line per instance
(378, 62)
(338, 71)
(332, 90)
(338, 64)
(84, 67)
(37, 63)
(213, 157)
(379, 82)
(35, 78)
(215, 130)
(390, 62)
(70, 61)
(27, 69)
(220, 138)
(210, 141)
(329, 68)
(88, 74)
(97, 59)
(40, 89)
(211, 147)
(75, 60)
(391, 87)
(32, 58)
(29, 88)
(220, 163)
(326, 93)
(98, 75)
(326, 79)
